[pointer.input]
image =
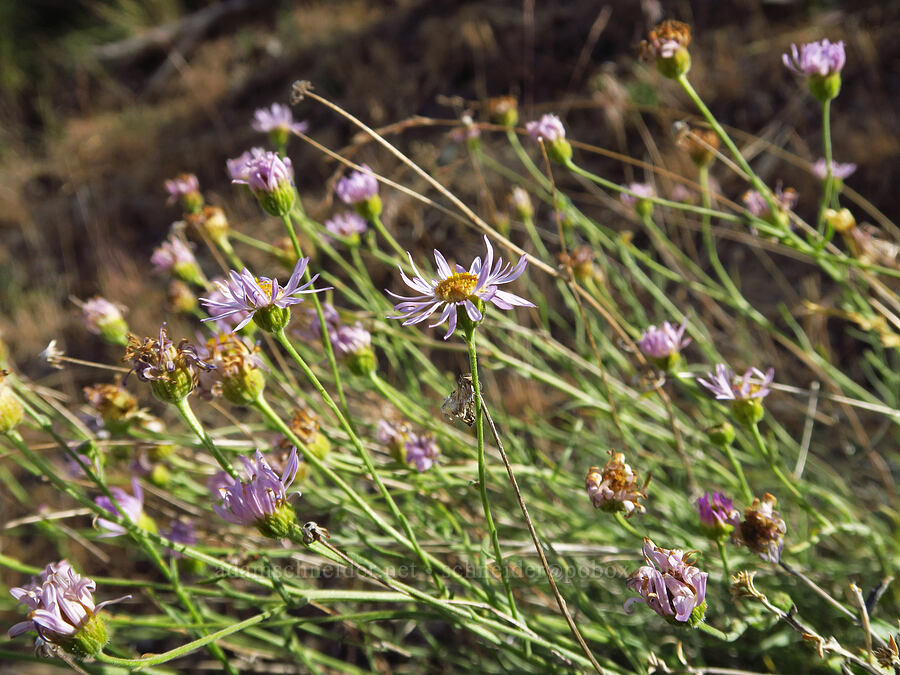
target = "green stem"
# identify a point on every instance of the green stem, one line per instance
(829, 179)
(323, 325)
(628, 526)
(136, 664)
(726, 140)
(739, 472)
(482, 471)
(710, 244)
(770, 457)
(363, 454)
(720, 544)
(184, 409)
(388, 237)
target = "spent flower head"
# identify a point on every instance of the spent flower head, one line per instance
(62, 610)
(261, 299)
(260, 497)
(667, 44)
(616, 487)
(459, 292)
(171, 370)
(104, 318)
(717, 515)
(185, 188)
(132, 509)
(669, 584)
(238, 374)
(663, 345)
(117, 406)
(762, 529)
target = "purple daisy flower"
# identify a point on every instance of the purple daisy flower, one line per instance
(348, 340)
(669, 584)
(549, 128)
(257, 498)
(346, 224)
(660, 343)
(238, 168)
(839, 170)
(641, 190)
(357, 187)
(785, 198)
(459, 288)
(266, 173)
(421, 451)
(816, 59)
(99, 312)
(728, 387)
(184, 185)
(277, 117)
(717, 514)
(132, 505)
(172, 253)
(244, 293)
(60, 604)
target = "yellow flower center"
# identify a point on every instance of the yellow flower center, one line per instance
(266, 287)
(457, 287)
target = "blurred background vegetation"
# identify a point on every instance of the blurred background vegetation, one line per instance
(101, 100)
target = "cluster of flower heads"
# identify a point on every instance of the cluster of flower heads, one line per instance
(260, 497)
(669, 584)
(458, 288)
(62, 610)
(243, 295)
(616, 487)
(420, 450)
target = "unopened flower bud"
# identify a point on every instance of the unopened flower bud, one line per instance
(521, 203)
(116, 405)
(181, 298)
(721, 434)
(504, 110)
(11, 411)
(718, 516)
(842, 221)
(160, 475)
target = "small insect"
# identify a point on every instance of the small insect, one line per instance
(461, 402)
(312, 532)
